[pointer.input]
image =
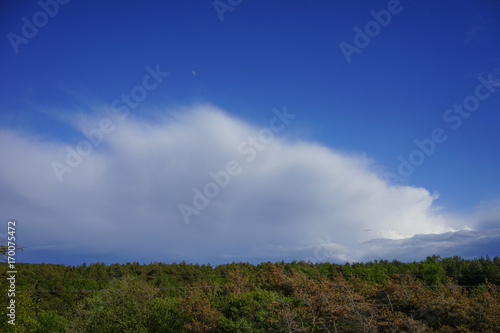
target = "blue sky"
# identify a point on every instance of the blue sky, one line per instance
(318, 189)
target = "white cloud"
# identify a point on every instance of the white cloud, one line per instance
(121, 202)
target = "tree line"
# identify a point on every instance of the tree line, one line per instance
(434, 295)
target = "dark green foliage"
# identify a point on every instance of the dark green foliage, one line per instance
(51, 322)
(248, 312)
(438, 294)
(432, 271)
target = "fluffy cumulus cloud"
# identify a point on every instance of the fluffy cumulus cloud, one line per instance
(203, 186)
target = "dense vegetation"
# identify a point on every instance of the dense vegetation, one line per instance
(438, 294)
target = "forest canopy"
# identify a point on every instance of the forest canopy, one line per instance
(438, 294)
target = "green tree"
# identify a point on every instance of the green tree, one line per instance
(432, 271)
(127, 306)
